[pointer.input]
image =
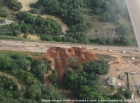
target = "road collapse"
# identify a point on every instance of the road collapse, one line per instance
(60, 58)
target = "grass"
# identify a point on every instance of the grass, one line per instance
(106, 29)
(135, 83)
(11, 38)
(105, 56)
(4, 6)
(137, 57)
(128, 85)
(5, 18)
(8, 52)
(11, 77)
(37, 54)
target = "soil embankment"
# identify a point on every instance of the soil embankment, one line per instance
(60, 58)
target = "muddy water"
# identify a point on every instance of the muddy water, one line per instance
(26, 3)
(64, 26)
(31, 36)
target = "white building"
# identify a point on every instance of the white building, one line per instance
(111, 81)
(5, 22)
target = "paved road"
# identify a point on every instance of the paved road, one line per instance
(42, 47)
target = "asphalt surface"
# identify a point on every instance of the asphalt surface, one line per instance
(42, 46)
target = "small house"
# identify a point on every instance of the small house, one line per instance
(2, 22)
(111, 81)
(110, 51)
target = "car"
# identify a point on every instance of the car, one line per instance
(24, 42)
(110, 51)
(95, 48)
(2, 41)
(136, 50)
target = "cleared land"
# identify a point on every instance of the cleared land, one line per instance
(127, 64)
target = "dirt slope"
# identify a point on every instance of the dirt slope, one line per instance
(59, 58)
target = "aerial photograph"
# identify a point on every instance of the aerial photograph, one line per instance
(69, 51)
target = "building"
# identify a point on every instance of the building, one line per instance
(2, 22)
(111, 81)
(5, 22)
(125, 52)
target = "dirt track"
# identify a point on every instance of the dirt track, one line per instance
(11, 77)
(126, 64)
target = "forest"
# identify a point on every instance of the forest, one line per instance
(22, 80)
(72, 13)
(30, 76)
(13, 4)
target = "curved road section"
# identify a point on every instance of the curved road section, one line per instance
(134, 12)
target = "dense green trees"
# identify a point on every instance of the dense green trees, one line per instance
(9, 62)
(53, 76)
(100, 67)
(5, 61)
(128, 93)
(83, 82)
(69, 12)
(28, 72)
(8, 88)
(122, 30)
(105, 17)
(110, 10)
(121, 94)
(52, 93)
(120, 40)
(13, 4)
(49, 6)
(4, 13)
(26, 16)
(32, 24)
(39, 67)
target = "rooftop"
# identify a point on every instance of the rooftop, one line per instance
(111, 81)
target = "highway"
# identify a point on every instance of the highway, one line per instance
(43, 46)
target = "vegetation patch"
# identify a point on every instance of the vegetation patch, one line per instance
(13, 4)
(30, 73)
(103, 22)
